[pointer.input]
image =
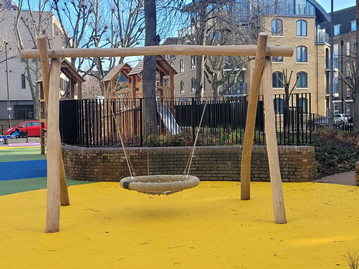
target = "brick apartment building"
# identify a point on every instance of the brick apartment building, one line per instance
(296, 24)
(344, 58)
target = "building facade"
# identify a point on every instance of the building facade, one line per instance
(16, 98)
(295, 23)
(344, 59)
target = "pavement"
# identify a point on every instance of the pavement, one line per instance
(21, 142)
(346, 178)
(209, 226)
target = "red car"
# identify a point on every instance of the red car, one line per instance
(31, 127)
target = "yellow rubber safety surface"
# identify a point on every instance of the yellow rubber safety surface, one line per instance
(205, 227)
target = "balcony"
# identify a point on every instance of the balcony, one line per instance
(335, 90)
(321, 37)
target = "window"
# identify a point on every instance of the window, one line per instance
(277, 59)
(24, 112)
(348, 109)
(303, 104)
(193, 85)
(181, 66)
(347, 69)
(278, 105)
(337, 29)
(336, 109)
(277, 79)
(23, 81)
(349, 92)
(181, 87)
(277, 27)
(347, 48)
(302, 80)
(301, 54)
(301, 28)
(193, 62)
(335, 56)
(353, 26)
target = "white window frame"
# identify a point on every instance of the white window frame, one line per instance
(193, 62)
(182, 89)
(336, 109)
(353, 29)
(181, 66)
(336, 29)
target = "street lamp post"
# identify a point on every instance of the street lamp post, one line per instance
(7, 87)
(331, 114)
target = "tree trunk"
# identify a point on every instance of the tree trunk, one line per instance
(199, 77)
(356, 98)
(149, 71)
(215, 86)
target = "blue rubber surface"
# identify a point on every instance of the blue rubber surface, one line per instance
(22, 169)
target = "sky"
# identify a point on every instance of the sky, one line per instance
(338, 4)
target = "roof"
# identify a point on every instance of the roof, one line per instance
(70, 71)
(321, 14)
(161, 65)
(9, 4)
(171, 41)
(342, 17)
(124, 69)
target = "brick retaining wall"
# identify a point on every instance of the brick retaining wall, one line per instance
(209, 163)
(357, 173)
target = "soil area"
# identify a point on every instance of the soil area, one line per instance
(335, 153)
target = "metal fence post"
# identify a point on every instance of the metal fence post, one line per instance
(141, 124)
(192, 120)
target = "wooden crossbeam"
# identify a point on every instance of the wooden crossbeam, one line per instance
(232, 50)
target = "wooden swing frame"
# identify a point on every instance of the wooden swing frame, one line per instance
(57, 192)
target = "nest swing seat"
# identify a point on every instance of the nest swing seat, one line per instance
(161, 184)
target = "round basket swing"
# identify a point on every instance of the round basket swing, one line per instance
(161, 184)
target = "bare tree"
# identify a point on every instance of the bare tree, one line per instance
(220, 22)
(28, 25)
(91, 88)
(350, 79)
(94, 23)
(284, 81)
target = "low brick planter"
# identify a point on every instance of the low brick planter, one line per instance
(217, 163)
(357, 173)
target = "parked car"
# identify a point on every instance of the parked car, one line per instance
(343, 117)
(32, 128)
(324, 121)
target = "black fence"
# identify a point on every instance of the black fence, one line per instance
(3, 128)
(97, 123)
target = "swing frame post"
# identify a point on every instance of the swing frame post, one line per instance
(45, 66)
(272, 146)
(251, 116)
(51, 77)
(53, 149)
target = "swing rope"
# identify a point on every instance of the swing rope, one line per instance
(159, 184)
(189, 162)
(128, 161)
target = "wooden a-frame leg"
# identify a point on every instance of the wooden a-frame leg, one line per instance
(251, 116)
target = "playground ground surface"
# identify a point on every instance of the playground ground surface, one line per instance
(205, 227)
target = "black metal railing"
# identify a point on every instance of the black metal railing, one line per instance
(96, 123)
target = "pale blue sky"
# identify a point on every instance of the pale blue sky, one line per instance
(338, 4)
